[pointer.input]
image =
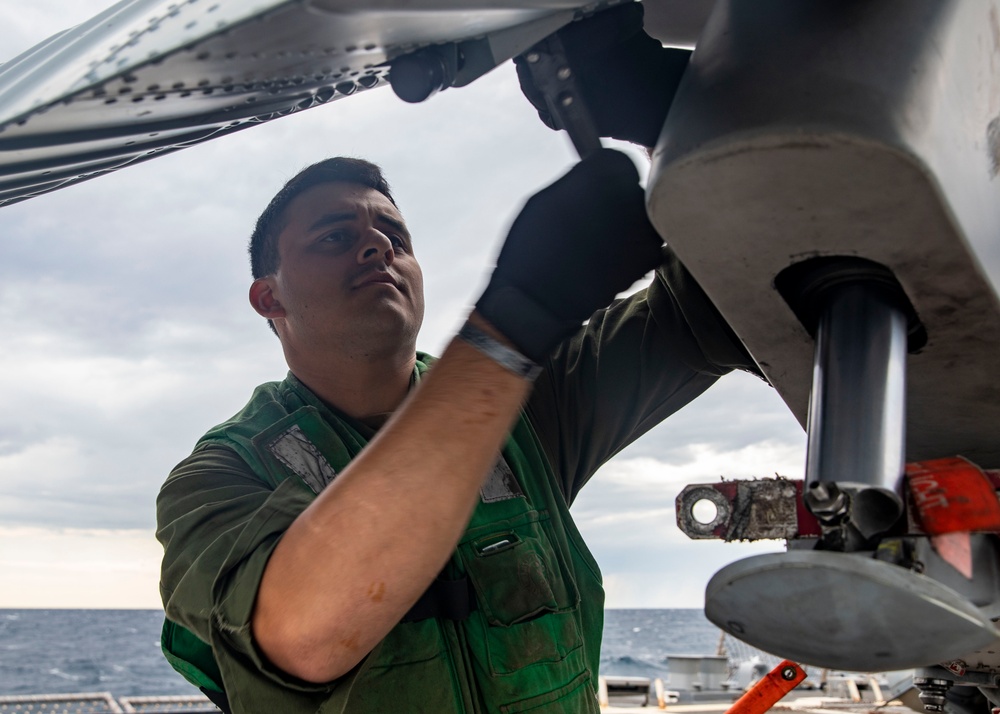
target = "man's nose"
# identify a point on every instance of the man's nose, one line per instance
(375, 246)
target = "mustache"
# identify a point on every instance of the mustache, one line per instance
(376, 275)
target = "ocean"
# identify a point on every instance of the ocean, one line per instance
(118, 651)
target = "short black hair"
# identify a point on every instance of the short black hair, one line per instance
(263, 247)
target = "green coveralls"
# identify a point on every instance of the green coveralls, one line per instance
(533, 642)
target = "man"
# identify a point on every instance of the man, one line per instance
(385, 532)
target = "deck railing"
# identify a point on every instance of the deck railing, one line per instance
(104, 703)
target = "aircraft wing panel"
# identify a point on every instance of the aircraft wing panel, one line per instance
(147, 77)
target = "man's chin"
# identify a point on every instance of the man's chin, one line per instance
(390, 336)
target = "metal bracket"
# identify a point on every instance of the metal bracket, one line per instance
(554, 78)
(747, 510)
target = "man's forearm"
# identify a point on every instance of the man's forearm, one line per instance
(357, 559)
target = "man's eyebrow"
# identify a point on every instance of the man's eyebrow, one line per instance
(392, 222)
(331, 218)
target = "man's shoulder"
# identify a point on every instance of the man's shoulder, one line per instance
(262, 393)
(228, 446)
(269, 403)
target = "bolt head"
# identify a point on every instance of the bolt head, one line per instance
(532, 57)
(788, 673)
(564, 73)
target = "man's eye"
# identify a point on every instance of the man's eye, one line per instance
(397, 242)
(337, 237)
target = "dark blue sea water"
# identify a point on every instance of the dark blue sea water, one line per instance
(118, 651)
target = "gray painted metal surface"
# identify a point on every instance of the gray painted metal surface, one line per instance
(861, 129)
(147, 77)
(827, 613)
(677, 23)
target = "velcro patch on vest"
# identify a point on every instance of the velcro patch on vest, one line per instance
(501, 484)
(294, 449)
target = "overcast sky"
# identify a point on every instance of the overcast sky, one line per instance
(127, 333)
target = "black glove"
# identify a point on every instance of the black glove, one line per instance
(627, 78)
(574, 246)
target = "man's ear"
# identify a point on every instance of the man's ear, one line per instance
(263, 299)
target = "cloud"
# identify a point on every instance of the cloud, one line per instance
(58, 568)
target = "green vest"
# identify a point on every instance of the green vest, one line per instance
(532, 643)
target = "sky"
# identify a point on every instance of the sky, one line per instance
(127, 334)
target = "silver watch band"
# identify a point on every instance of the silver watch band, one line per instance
(509, 359)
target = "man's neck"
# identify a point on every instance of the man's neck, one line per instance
(361, 388)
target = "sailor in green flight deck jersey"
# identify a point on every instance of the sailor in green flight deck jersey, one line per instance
(386, 532)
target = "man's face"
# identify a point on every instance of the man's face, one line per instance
(347, 276)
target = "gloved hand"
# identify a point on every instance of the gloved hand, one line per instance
(574, 246)
(627, 78)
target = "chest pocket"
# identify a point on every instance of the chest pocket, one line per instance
(526, 593)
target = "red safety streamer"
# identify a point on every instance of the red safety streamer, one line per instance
(953, 495)
(769, 689)
(952, 498)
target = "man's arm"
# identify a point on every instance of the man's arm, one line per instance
(644, 358)
(356, 560)
(632, 366)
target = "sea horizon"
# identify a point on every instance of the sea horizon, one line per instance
(117, 650)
